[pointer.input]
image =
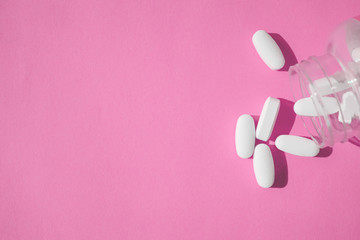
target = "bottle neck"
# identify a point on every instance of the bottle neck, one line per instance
(323, 77)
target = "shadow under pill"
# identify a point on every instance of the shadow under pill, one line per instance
(290, 58)
(355, 141)
(285, 119)
(325, 152)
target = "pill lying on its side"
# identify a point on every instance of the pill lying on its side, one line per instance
(306, 107)
(264, 166)
(245, 136)
(296, 145)
(268, 50)
(267, 118)
(325, 86)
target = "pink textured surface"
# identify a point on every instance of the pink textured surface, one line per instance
(118, 118)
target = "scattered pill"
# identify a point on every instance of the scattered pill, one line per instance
(245, 136)
(267, 118)
(268, 50)
(306, 107)
(296, 145)
(349, 108)
(264, 166)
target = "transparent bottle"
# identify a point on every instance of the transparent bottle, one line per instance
(335, 74)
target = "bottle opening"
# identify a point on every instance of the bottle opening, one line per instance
(322, 79)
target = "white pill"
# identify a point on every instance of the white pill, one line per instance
(264, 166)
(245, 136)
(350, 108)
(355, 54)
(268, 50)
(267, 118)
(323, 86)
(296, 145)
(307, 107)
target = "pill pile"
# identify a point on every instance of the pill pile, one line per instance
(263, 162)
(246, 133)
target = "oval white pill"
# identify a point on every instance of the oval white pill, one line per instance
(296, 145)
(245, 136)
(306, 107)
(264, 166)
(267, 118)
(268, 50)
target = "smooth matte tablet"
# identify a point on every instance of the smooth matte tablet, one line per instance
(296, 145)
(268, 50)
(306, 107)
(264, 166)
(267, 118)
(245, 136)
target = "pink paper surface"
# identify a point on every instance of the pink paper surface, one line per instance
(118, 120)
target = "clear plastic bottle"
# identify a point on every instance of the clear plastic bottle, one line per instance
(334, 74)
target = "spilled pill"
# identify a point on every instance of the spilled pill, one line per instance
(306, 107)
(245, 136)
(268, 50)
(296, 145)
(350, 108)
(267, 118)
(264, 166)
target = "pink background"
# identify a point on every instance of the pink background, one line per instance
(118, 119)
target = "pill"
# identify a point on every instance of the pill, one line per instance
(326, 86)
(267, 118)
(264, 166)
(245, 136)
(307, 107)
(355, 54)
(296, 145)
(268, 50)
(350, 108)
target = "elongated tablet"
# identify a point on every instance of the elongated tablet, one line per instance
(296, 145)
(264, 166)
(267, 118)
(306, 107)
(268, 50)
(325, 86)
(245, 136)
